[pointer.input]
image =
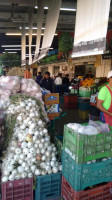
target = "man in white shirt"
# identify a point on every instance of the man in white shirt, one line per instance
(58, 80)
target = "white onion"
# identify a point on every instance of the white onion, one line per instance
(20, 169)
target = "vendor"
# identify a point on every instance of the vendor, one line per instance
(104, 102)
(89, 75)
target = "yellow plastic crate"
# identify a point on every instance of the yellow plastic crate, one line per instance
(83, 114)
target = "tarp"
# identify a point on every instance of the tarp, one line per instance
(50, 28)
(39, 28)
(91, 27)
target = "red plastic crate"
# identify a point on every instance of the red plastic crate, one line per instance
(18, 190)
(70, 105)
(103, 192)
(70, 99)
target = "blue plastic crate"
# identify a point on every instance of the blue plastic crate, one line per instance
(84, 105)
(81, 176)
(83, 99)
(48, 187)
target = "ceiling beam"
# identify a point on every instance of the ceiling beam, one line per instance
(33, 2)
(18, 2)
(20, 18)
(10, 25)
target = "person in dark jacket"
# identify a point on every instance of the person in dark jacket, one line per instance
(66, 80)
(47, 82)
(38, 78)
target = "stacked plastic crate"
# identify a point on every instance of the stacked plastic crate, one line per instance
(48, 187)
(21, 189)
(87, 162)
(83, 107)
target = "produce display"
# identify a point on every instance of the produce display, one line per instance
(29, 151)
(30, 87)
(92, 128)
(16, 71)
(88, 82)
(13, 85)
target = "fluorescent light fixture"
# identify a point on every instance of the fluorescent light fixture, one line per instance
(68, 9)
(10, 52)
(46, 8)
(14, 34)
(64, 9)
(19, 46)
(34, 28)
(12, 49)
(86, 54)
(16, 45)
(19, 34)
(10, 45)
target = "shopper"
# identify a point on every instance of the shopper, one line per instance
(66, 80)
(104, 102)
(47, 82)
(58, 80)
(38, 78)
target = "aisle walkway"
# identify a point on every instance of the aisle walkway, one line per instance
(71, 117)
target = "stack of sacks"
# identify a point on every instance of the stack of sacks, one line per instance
(11, 83)
(30, 87)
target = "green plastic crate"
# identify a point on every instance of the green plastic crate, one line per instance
(73, 91)
(83, 148)
(83, 93)
(81, 176)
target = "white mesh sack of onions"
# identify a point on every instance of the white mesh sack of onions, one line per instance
(30, 151)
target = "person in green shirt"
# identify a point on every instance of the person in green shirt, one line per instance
(104, 103)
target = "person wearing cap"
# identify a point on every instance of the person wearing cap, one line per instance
(104, 103)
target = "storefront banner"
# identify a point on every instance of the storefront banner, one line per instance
(30, 35)
(23, 47)
(91, 27)
(50, 28)
(40, 13)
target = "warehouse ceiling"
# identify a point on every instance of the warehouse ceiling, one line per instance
(15, 13)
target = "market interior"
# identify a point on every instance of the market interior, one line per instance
(55, 100)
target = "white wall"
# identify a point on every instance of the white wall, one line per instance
(102, 71)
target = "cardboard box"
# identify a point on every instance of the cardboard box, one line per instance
(54, 108)
(51, 99)
(51, 116)
(52, 105)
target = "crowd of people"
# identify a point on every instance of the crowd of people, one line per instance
(53, 85)
(58, 84)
